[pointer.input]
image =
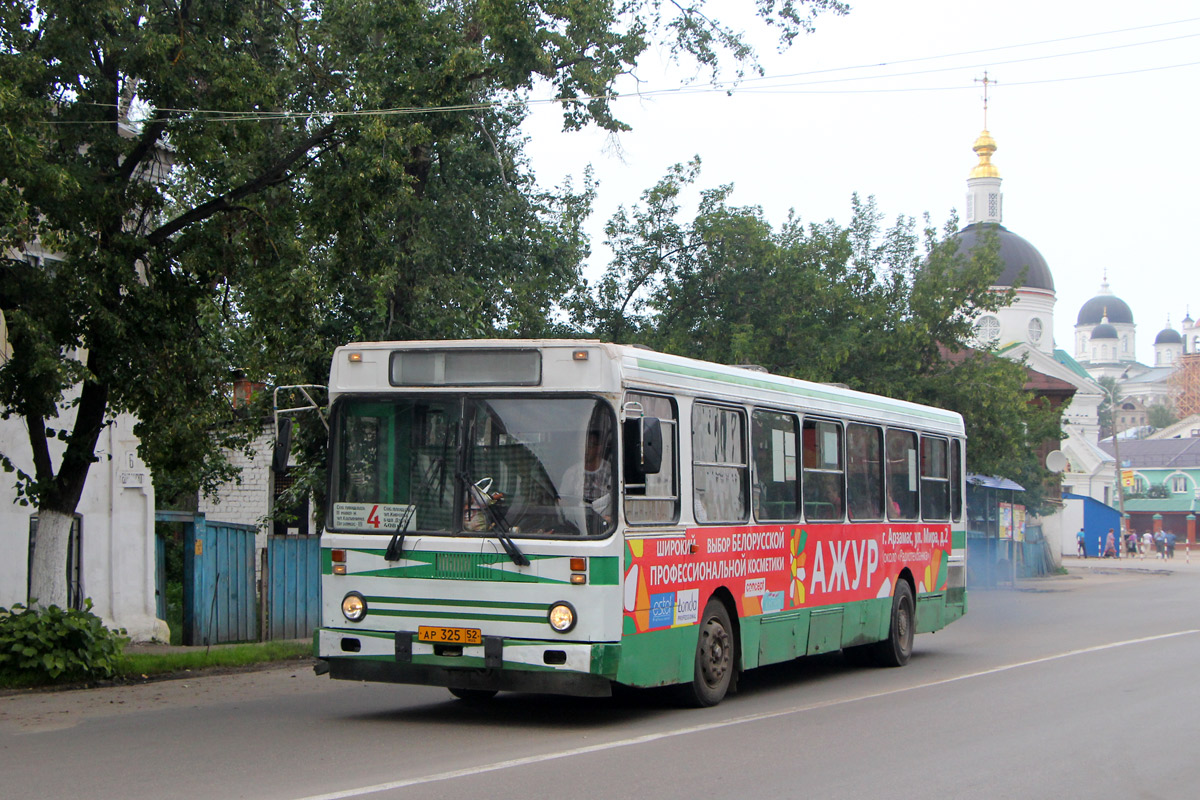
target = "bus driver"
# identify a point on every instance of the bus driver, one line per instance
(591, 480)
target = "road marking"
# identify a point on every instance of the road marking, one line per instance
(711, 726)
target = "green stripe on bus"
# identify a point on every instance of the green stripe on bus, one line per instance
(958, 540)
(423, 614)
(455, 603)
(487, 567)
(604, 571)
(799, 391)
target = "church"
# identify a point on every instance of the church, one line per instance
(1105, 341)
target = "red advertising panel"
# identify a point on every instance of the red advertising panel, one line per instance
(775, 568)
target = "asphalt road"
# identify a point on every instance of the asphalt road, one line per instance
(1080, 686)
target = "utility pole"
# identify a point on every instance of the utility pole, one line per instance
(1113, 403)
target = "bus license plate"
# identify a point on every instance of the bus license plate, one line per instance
(426, 633)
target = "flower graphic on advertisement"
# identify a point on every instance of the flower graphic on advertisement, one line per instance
(799, 559)
(932, 573)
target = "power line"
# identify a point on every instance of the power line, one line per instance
(225, 116)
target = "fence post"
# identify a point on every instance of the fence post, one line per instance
(264, 583)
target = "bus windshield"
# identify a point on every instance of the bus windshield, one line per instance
(517, 466)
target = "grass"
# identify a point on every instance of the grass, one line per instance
(137, 665)
(145, 664)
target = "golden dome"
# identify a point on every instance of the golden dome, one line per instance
(984, 146)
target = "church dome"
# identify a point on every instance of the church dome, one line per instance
(1016, 253)
(1165, 336)
(1104, 331)
(1093, 311)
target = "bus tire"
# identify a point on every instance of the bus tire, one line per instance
(896, 649)
(714, 658)
(473, 695)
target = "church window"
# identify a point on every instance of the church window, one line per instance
(1124, 344)
(987, 329)
(993, 205)
(971, 207)
(1035, 330)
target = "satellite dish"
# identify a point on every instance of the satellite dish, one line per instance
(1056, 461)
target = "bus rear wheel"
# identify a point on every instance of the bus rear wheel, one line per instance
(473, 695)
(714, 658)
(896, 649)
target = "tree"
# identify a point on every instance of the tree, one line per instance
(221, 182)
(882, 310)
(1105, 411)
(1161, 415)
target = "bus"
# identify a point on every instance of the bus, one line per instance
(561, 516)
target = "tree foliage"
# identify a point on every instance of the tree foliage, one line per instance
(243, 184)
(887, 310)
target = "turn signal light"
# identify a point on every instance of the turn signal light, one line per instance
(578, 564)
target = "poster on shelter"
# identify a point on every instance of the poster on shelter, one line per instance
(1006, 520)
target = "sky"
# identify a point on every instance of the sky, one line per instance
(1094, 109)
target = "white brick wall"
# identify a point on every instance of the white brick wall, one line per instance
(249, 501)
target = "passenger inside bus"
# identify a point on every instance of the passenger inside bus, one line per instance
(590, 480)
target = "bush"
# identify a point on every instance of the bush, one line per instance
(51, 645)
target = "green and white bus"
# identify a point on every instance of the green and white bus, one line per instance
(562, 515)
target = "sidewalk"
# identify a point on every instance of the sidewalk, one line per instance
(1151, 563)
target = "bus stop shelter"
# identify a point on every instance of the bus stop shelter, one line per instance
(995, 529)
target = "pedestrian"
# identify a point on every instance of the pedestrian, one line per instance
(1170, 540)
(1159, 544)
(1110, 545)
(1131, 544)
(1081, 543)
(1147, 543)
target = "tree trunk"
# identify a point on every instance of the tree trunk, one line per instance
(48, 578)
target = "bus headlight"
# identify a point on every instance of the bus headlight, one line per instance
(562, 617)
(354, 607)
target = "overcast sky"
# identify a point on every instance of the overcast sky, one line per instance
(1094, 111)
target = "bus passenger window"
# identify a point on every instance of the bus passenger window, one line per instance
(720, 470)
(776, 482)
(864, 472)
(935, 479)
(902, 475)
(823, 471)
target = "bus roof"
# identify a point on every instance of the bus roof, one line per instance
(632, 366)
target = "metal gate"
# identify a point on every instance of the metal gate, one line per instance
(292, 573)
(219, 597)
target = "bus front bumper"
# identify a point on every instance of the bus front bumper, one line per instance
(500, 664)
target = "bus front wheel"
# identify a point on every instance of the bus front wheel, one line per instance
(896, 649)
(714, 657)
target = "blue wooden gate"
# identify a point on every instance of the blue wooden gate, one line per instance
(219, 596)
(294, 586)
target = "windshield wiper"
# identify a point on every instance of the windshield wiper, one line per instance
(498, 523)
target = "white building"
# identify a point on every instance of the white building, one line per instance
(1024, 331)
(112, 549)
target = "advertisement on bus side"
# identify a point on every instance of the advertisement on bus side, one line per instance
(771, 569)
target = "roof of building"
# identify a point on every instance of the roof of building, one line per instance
(1102, 305)
(1158, 453)
(1068, 361)
(1168, 336)
(1176, 503)
(1022, 262)
(1104, 331)
(1152, 375)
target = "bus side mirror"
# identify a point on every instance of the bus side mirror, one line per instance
(283, 446)
(643, 447)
